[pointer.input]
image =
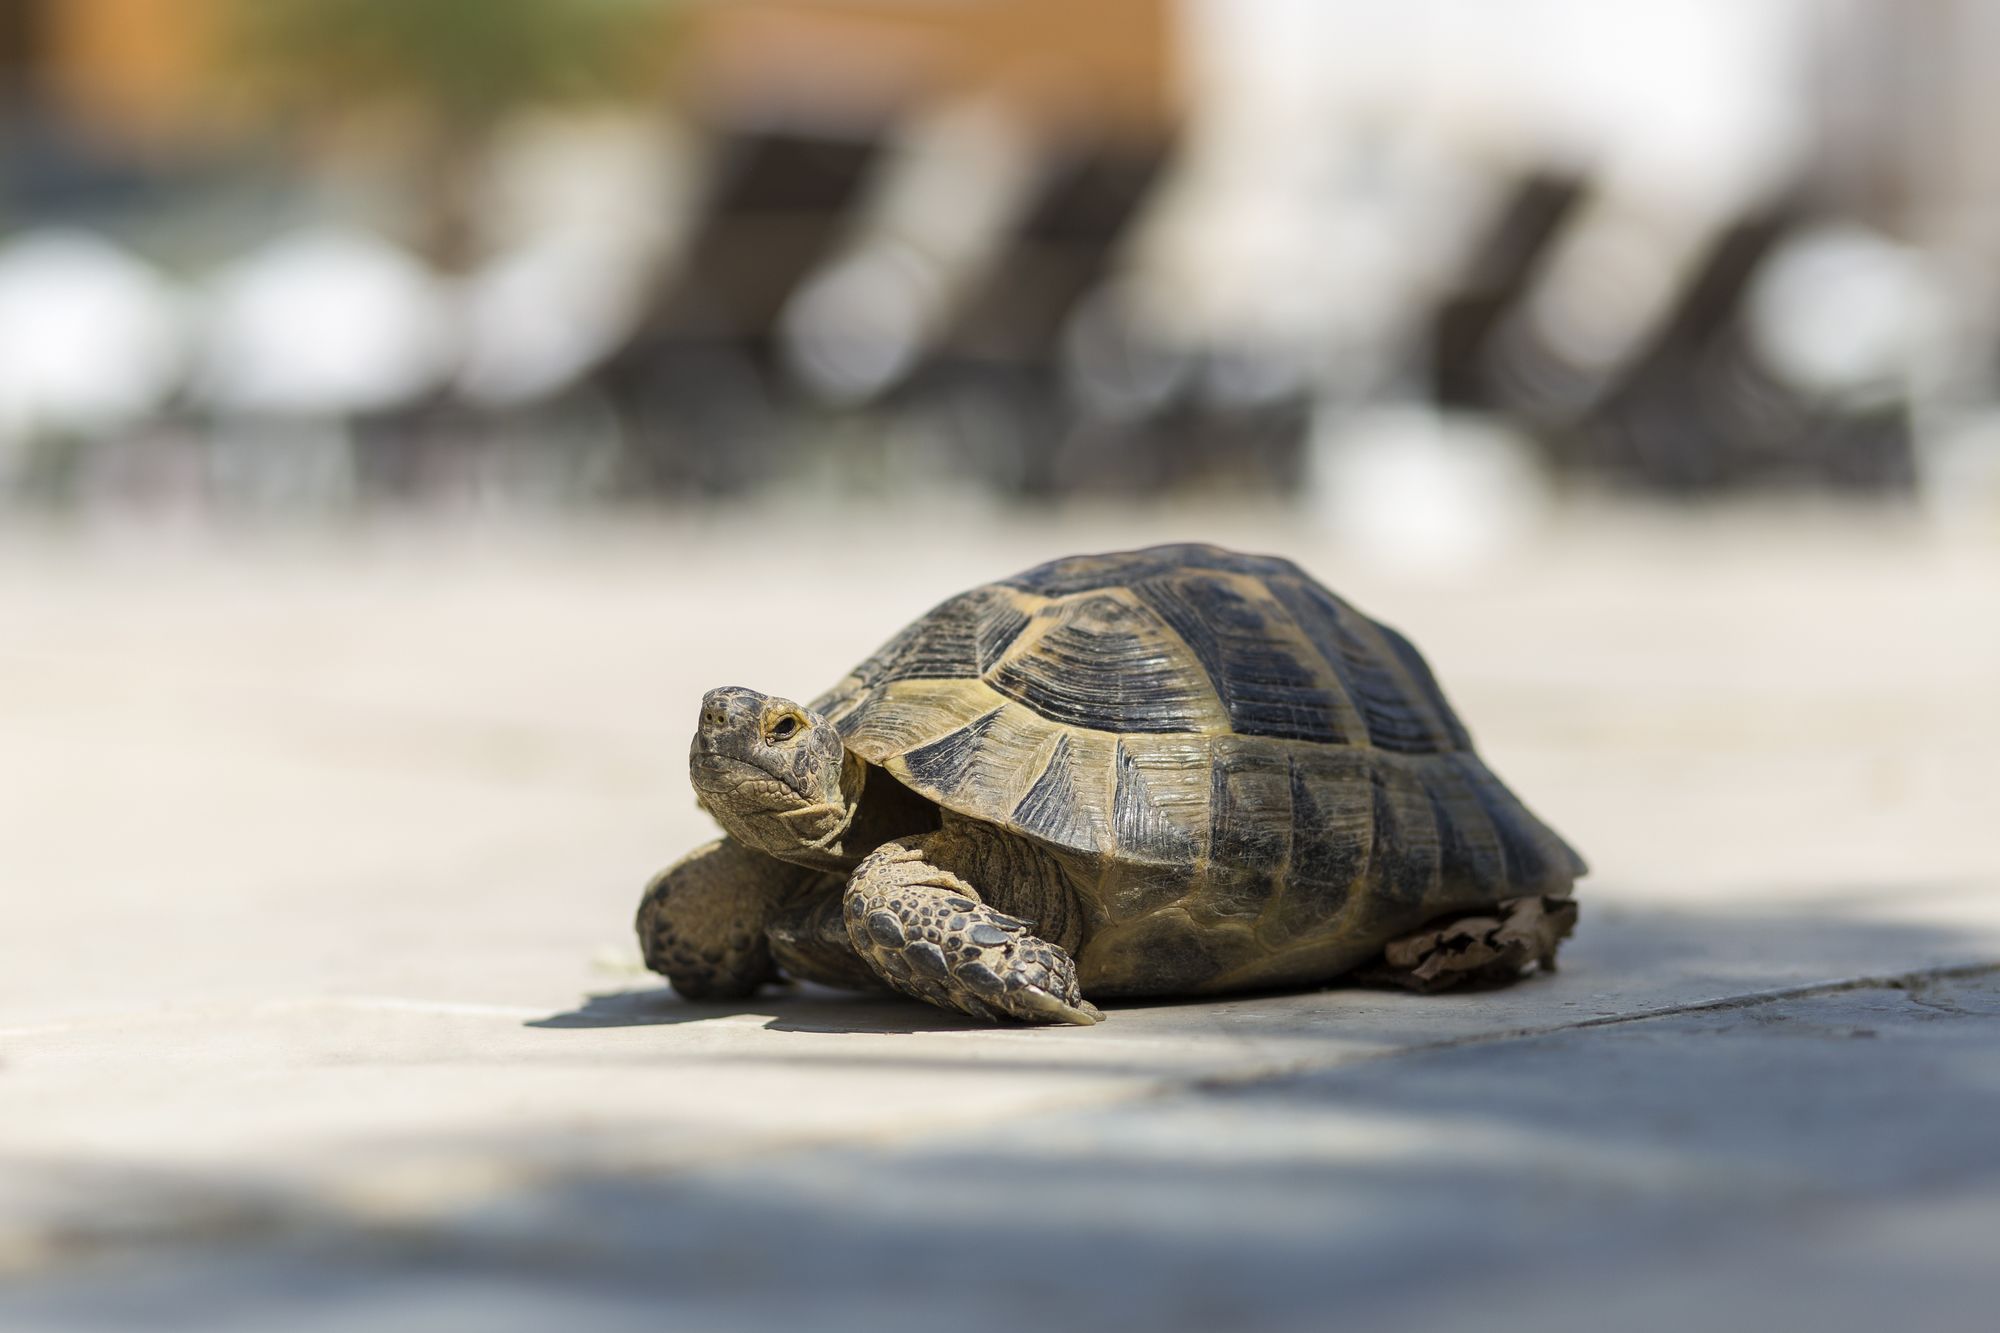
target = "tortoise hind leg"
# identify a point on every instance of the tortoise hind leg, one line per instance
(930, 935)
(1486, 948)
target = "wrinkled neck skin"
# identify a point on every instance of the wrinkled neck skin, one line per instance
(820, 835)
(804, 832)
(793, 796)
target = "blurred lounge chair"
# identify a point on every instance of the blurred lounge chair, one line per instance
(998, 372)
(1497, 279)
(698, 383)
(1707, 410)
(1686, 400)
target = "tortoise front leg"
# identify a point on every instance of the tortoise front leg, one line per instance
(913, 914)
(703, 919)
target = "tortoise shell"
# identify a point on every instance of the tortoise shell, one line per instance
(1231, 761)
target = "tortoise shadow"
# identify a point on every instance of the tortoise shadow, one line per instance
(810, 1008)
(799, 1008)
(1616, 940)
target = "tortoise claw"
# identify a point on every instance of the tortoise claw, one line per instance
(1034, 1002)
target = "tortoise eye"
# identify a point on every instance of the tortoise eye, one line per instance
(784, 728)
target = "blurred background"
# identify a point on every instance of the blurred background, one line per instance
(1416, 272)
(408, 408)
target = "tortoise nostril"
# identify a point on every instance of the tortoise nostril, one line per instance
(714, 716)
(730, 711)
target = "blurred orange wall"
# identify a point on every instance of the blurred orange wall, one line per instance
(1073, 63)
(131, 68)
(136, 69)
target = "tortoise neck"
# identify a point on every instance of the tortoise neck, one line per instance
(881, 809)
(874, 809)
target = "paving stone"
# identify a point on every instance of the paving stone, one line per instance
(1508, 1181)
(319, 1006)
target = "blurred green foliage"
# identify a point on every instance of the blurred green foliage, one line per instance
(464, 63)
(447, 73)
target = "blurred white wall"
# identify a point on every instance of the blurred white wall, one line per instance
(1345, 151)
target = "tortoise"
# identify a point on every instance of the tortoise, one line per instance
(1179, 770)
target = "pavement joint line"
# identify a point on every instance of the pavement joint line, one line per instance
(1902, 981)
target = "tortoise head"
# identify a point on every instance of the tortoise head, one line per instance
(775, 775)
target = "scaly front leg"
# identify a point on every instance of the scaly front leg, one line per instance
(914, 915)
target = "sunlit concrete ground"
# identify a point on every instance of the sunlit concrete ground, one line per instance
(319, 1007)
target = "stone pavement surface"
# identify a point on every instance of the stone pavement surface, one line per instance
(319, 1009)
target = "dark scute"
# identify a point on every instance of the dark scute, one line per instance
(1374, 681)
(1143, 831)
(1250, 819)
(1250, 808)
(863, 678)
(1103, 665)
(1086, 573)
(1329, 856)
(946, 643)
(849, 723)
(943, 764)
(1003, 624)
(1266, 689)
(1426, 681)
(1050, 809)
(1163, 953)
(1406, 842)
(1470, 851)
(1185, 957)
(1532, 858)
